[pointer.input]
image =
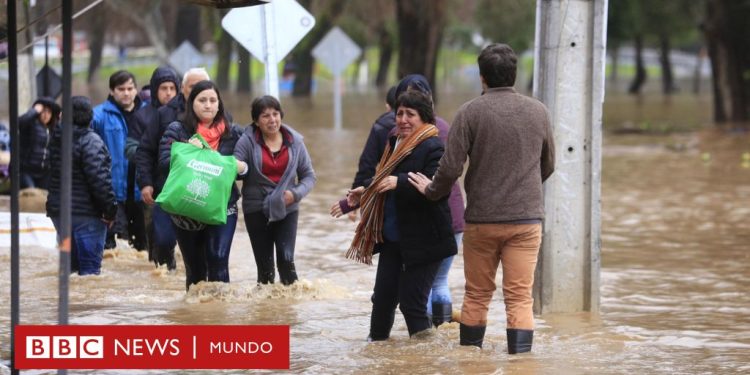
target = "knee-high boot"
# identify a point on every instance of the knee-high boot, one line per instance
(441, 313)
(519, 340)
(472, 335)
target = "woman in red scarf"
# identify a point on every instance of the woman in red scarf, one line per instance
(205, 248)
(412, 234)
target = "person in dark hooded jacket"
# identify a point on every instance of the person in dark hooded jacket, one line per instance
(93, 204)
(150, 177)
(164, 86)
(37, 125)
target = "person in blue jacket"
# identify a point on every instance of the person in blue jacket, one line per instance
(113, 120)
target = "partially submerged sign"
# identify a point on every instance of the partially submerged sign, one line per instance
(336, 50)
(186, 56)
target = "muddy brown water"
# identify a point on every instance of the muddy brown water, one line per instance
(675, 265)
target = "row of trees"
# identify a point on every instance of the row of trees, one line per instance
(416, 30)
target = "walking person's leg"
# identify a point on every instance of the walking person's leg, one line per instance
(193, 248)
(261, 240)
(519, 257)
(385, 293)
(481, 259)
(88, 235)
(219, 244)
(163, 241)
(413, 290)
(285, 238)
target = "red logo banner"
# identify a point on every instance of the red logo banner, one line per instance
(151, 347)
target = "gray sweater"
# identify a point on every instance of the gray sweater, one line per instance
(259, 192)
(508, 140)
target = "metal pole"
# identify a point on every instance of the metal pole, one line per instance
(569, 79)
(337, 101)
(269, 42)
(15, 176)
(45, 89)
(66, 172)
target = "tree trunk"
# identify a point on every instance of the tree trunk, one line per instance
(697, 74)
(640, 69)
(303, 60)
(96, 30)
(150, 20)
(189, 25)
(724, 37)
(615, 65)
(385, 42)
(224, 56)
(244, 76)
(420, 31)
(667, 78)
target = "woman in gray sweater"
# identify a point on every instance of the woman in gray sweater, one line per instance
(280, 174)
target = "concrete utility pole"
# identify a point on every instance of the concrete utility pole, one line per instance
(569, 78)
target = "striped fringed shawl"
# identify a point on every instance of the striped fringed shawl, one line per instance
(370, 228)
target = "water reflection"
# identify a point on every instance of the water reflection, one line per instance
(676, 268)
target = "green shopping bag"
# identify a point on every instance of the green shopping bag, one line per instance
(199, 183)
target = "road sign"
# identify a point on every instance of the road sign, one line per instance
(186, 57)
(290, 23)
(336, 50)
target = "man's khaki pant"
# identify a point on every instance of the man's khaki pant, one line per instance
(486, 246)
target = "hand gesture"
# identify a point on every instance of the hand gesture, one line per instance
(419, 181)
(387, 184)
(354, 195)
(288, 197)
(147, 193)
(195, 142)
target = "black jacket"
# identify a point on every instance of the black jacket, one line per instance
(177, 133)
(147, 156)
(35, 138)
(92, 192)
(424, 226)
(374, 148)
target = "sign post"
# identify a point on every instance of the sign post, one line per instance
(269, 32)
(336, 51)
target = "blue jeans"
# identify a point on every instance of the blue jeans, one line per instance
(206, 251)
(163, 238)
(440, 292)
(87, 243)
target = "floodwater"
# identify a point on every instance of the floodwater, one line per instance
(675, 266)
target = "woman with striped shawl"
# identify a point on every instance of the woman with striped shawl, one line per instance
(412, 234)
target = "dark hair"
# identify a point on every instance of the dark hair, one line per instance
(418, 101)
(413, 82)
(262, 103)
(53, 107)
(190, 119)
(497, 65)
(390, 97)
(82, 112)
(120, 77)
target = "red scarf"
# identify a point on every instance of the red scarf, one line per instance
(212, 133)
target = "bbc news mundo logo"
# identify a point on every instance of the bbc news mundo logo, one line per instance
(151, 347)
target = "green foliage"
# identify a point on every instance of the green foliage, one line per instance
(507, 21)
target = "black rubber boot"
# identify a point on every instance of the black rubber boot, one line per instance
(519, 340)
(472, 335)
(441, 313)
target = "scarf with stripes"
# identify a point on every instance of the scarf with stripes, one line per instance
(370, 228)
